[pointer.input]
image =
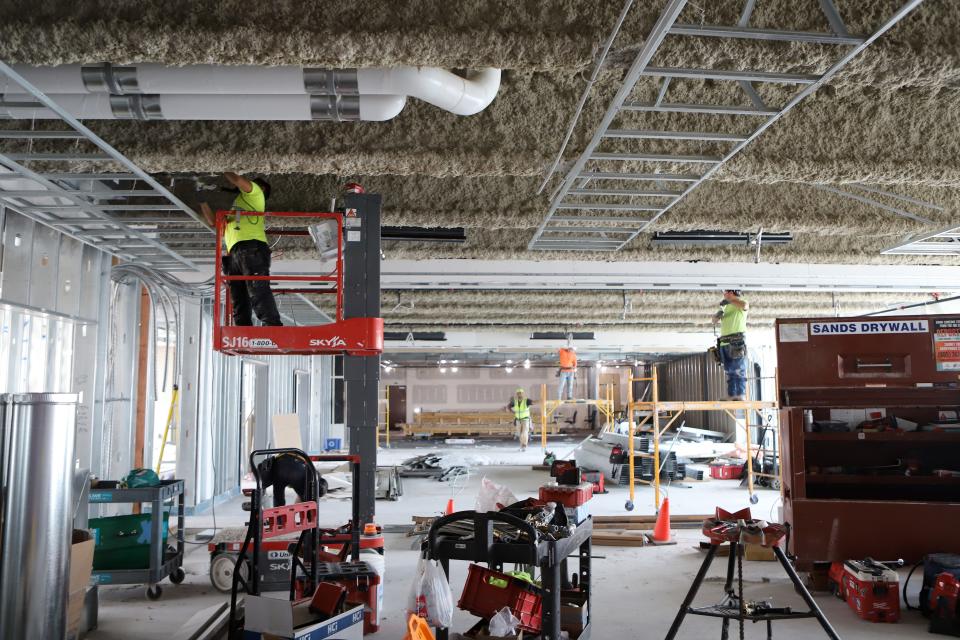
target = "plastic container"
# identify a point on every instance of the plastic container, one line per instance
(123, 542)
(487, 591)
(726, 471)
(572, 496)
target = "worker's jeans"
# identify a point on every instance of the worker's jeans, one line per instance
(251, 258)
(736, 370)
(566, 383)
(523, 431)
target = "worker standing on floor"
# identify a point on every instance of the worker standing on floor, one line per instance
(731, 345)
(568, 372)
(520, 406)
(248, 253)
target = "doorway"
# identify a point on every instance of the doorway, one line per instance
(254, 419)
(397, 405)
(611, 379)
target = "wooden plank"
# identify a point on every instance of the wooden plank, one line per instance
(143, 374)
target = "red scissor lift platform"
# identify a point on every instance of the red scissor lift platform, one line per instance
(353, 336)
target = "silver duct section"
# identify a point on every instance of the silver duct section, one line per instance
(36, 469)
(247, 92)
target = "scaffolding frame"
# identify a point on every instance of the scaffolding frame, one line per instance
(604, 405)
(676, 408)
(612, 234)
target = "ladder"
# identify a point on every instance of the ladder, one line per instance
(610, 196)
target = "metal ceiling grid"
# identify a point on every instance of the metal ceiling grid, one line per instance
(114, 206)
(610, 233)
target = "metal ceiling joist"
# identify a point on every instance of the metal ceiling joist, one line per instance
(672, 135)
(749, 33)
(94, 219)
(633, 221)
(615, 175)
(625, 193)
(873, 203)
(608, 207)
(578, 175)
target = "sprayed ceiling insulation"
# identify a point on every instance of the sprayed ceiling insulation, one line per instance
(889, 121)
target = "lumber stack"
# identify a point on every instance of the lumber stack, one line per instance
(635, 531)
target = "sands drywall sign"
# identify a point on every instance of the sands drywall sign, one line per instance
(866, 327)
(946, 344)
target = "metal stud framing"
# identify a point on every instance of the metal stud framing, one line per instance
(116, 207)
(593, 233)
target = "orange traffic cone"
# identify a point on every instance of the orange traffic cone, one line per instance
(661, 530)
(449, 507)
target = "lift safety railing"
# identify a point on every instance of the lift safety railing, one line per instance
(108, 207)
(592, 171)
(353, 336)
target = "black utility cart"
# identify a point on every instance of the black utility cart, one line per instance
(500, 538)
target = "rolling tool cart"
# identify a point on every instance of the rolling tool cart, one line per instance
(133, 549)
(272, 523)
(497, 538)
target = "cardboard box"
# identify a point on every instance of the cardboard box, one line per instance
(275, 619)
(756, 552)
(81, 568)
(573, 612)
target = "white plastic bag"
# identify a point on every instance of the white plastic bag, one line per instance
(430, 594)
(503, 623)
(493, 496)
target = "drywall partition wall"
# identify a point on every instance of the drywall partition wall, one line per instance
(473, 389)
(53, 297)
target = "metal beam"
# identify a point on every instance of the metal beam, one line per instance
(40, 135)
(873, 203)
(797, 99)
(607, 207)
(833, 17)
(723, 74)
(616, 175)
(599, 219)
(587, 230)
(56, 208)
(643, 134)
(897, 196)
(704, 109)
(58, 157)
(749, 33)
(655, 157)
(95, 195)
(650, 45)
(624, 193)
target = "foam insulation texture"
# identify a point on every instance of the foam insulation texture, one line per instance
(889, 120)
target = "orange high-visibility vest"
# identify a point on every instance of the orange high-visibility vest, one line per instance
(568, 360)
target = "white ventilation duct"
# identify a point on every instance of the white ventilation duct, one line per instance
(103, 106)
(158, 87)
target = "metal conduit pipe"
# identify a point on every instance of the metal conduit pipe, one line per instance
(441, 88)
(102, 106)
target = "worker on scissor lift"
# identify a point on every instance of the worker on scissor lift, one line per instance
(248, 253)
(520, 406)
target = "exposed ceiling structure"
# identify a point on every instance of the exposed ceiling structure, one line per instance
(861, 165)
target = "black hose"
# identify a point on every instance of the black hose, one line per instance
(905, 583)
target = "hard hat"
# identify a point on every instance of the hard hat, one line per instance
(519, 390)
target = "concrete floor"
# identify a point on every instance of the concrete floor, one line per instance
(654, 579)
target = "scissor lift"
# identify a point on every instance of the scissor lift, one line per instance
(356, 336)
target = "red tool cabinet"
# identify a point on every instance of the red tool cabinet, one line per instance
(879, 490)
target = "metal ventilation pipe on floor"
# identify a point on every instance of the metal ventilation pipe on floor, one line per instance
(37, 436)
(215, 92)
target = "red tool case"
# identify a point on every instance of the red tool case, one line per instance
(487, 591)
(870, 588)
(568, 496)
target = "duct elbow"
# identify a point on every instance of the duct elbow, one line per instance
(439, 87)
(381, 108)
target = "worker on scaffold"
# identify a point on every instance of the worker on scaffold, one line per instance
(731, 345)
(248, 253)
(567, 372)
(520, 406)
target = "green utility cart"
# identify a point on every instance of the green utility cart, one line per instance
(133, 549)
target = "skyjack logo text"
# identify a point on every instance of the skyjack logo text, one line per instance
(330, 343)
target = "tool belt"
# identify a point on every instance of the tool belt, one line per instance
(736, 344)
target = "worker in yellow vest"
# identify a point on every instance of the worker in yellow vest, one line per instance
(731, 345)
(248, 253)
(520, 406)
